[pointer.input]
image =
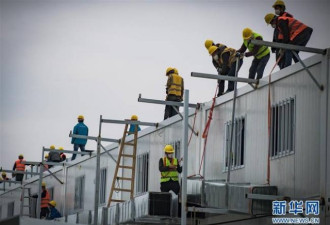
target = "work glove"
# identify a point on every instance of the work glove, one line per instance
(238, 54)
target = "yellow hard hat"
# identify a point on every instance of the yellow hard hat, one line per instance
(278, 3)
(20, 156)
(60, 148)
(3, 174)
(80, 117)
(134, 117)
(169, 149)
(43, 184)
(212, 49)
(208, 44)
(52, 147)
(169, 70)
(52, 203)
(247, 33)
(46, 156)
(269, 17)
(176, 71)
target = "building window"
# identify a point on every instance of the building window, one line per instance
(238, 146)
(11, 207)
(282, 128)
(79, 192)
(51, 193)
(142, 173)
(103, 185)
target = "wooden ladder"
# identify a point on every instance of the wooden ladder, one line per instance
(119, 164)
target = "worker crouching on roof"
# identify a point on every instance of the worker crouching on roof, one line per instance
(3, 177)
(279, 7)
(132, 126)
(208, 43)
(174, 91)
(261, 53)
(53, 212)
(291, 31)
(62, 155)
(169, 168)
(19, 166)
(226, 59)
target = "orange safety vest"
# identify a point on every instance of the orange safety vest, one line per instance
(295, 28)
(45, 200)
(19, 165)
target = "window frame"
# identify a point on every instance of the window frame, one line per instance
(79, 195)
(142, 173)
(103, 186)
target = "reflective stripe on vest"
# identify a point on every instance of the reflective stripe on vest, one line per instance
(176, 85)
(295, 28)
(263, 50)
(19, 165)
(169, 175)
(45, 200)
(232, 57)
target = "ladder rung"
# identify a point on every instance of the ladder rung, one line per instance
(117, 200)
(127, 143)
(124, 178)
(125, 155)
(121, 189)
(126, 167)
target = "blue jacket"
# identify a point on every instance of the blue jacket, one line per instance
(80, 129)
(53, 214)
(132, 128)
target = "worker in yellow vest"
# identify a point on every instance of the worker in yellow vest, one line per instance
(174, 91)
(169, 168)
(261, 53)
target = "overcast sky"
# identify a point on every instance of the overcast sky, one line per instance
(60, 59)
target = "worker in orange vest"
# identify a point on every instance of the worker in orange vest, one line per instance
(45, 198)
(291, 31)
(19, 166)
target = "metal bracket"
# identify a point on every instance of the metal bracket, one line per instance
(108, 153)
(160, 102)
(320, 86)
(190, 127)
(93, 138)
(223, 77)
(134, 122)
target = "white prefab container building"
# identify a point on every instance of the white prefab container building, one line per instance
(295, 165)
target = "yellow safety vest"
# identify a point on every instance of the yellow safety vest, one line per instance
(232, 56)
(175, 87)
(263, 50)
(169, 175)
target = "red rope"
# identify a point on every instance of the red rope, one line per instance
(269, 119)
(205, 135)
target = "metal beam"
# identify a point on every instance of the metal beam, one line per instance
(266, 197)
(190, 127)
(19, 172)
(11, 181)
(86, 152)
(108, 153)
(161, 102)
(135, 122)
(289, 46)
(93, 138)
(223, 77)
(208, 210)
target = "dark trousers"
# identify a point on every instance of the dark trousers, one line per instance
(221, 83)
(19, 177)
(44, 212)
(169, 111)
(75, 148)
(258, 67)
(170, 186)
(301, 40)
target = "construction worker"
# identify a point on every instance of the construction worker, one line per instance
(279, 7)
(208, 43)
(53, 156)
(46, 166)
(45, 198)
(80, 129)
(62, 155)
(291, 31)
(174, 91)
(261, 53)
(19, 166)
(3, 176)
(169, 168)
(54, 213)
(132, 126)
(226, 59)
